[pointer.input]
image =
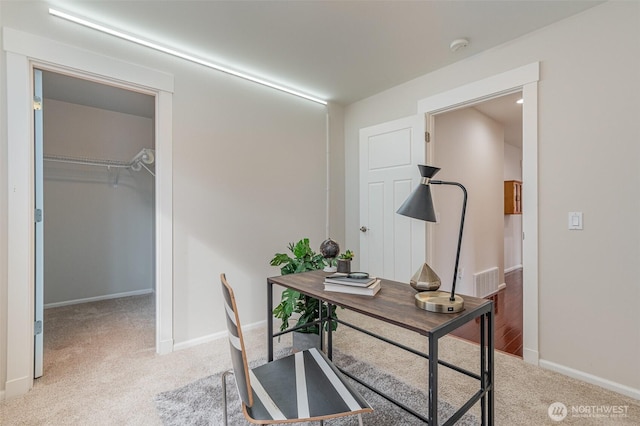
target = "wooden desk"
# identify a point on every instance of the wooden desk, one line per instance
(394, 304)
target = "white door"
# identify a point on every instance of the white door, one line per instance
(391, 246)
(39, 223)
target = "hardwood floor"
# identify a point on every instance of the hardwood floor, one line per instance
(508, 317)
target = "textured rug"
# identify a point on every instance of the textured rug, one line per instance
(200, 402)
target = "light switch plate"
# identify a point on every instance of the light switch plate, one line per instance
(575, 220)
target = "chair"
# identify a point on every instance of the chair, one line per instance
(301, 387)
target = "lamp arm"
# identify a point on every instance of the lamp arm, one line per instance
(462, 215)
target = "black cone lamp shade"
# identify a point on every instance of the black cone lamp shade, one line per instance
(419, 205)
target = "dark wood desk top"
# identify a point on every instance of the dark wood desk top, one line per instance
(394, 303)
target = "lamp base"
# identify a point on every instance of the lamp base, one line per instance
(439, 301)
(330, 269)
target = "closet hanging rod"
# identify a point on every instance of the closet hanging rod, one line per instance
(145, 156)
(86, 161)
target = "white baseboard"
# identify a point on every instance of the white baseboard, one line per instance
(512, 268)
(530, 356)
(17, 387)
(590, 378)
(215, 336)
(98, 298)
(165, 347)
(500, 287)
(199, 341)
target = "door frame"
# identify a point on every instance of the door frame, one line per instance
(24, 52)
(523, 79)
(38, 179)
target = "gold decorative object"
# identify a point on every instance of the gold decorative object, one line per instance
(425, 279)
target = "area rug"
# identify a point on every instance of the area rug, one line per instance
(200, 402)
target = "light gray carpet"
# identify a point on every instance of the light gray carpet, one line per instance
(98, 376)
(200, 402)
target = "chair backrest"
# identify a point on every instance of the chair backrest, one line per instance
(236, 344)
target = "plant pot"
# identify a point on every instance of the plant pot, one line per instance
(344, 265)
(303, 341)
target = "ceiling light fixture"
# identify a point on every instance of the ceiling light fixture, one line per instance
(458, 44)
(520, 101)
(182, 55)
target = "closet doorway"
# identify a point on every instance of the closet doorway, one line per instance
(97, 277)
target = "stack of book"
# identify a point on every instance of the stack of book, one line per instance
(341, 283)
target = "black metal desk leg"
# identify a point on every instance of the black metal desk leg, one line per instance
(330, 309)
(269, 321)
(483, 370)
(321, 323)
(432, 416)
(491, 406)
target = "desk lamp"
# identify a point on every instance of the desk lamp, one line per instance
(419, 205)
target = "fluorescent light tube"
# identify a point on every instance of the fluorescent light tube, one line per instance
(182, 55)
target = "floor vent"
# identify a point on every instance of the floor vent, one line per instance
(485, 282)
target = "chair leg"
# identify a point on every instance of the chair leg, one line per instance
(360, 419)
(224, 396)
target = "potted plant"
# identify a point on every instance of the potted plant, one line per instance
(344, 261)
(293, 302)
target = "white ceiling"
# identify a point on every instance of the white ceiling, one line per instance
(507, 111)
(341, 51)
(84, 92)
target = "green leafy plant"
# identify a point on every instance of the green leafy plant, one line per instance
(305, 259)
(347, 255)
(293, 302)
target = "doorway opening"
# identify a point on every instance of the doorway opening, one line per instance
(481, 145)
(24, 52)
(524, 79)
(98, 184)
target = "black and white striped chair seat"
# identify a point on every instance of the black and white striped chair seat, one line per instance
(305, 386)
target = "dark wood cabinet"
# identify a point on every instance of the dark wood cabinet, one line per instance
(512, 197)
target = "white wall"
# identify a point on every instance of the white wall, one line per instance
(249, 176)
(98, 236)
(336, 175)
(512, 222)
(588, 120)
(468, 147)
(3, 216)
